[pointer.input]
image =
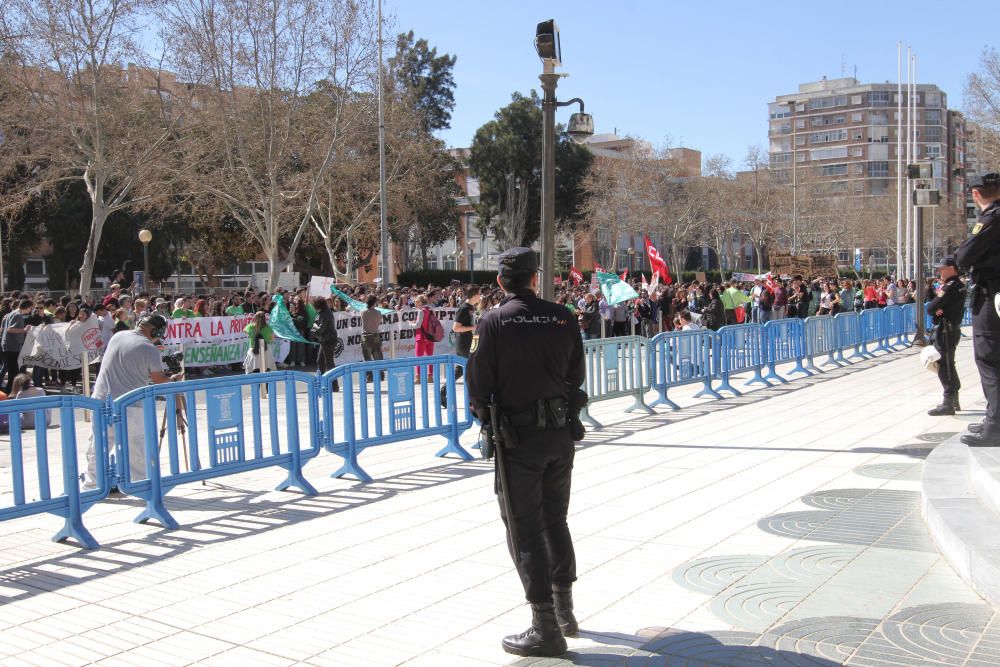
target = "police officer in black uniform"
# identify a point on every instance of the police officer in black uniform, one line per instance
(980, 253)
(947, 309)
(527, 359)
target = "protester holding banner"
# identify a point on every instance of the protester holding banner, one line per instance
(259, 357)
(324, 332)
(424, 345)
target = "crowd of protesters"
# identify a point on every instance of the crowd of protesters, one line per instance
(691, 305)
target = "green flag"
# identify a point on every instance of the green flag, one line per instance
(615, 289)
(354, 304)
(280, 321)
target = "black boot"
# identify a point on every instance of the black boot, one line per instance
(949, 404)
(542, 639)
(562, 597)
(976, 428)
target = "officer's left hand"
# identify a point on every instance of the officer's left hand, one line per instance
(486, 447)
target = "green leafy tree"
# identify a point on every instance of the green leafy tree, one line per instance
(425, 78)
(506, 156)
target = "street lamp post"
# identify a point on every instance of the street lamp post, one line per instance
(145, 236)
(581, 125)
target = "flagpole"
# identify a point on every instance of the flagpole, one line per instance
(909, 132)
(899, 153)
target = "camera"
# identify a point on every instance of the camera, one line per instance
(173, 361)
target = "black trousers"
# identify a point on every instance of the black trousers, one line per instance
(10, 369)
(986, 349)
(946, 340)
(539, 474)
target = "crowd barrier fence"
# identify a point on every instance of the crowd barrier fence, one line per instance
(785, 341)
(678, 358)
(615, 368)
(389, 401)
(232, 445)
(739, 348)
(36, 493)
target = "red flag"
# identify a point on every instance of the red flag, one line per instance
(624, 275)
(575, 276)
(597, 267)
(769, 283)
(656, 262)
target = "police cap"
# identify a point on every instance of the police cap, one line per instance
(949, 261)
(517, 261)
(991, 180)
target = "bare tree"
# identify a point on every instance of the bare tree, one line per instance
(278, 87)
(82, 110)
(718, 229)
(982, 99)
(763, 202)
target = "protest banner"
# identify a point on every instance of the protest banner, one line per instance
(220, 341)
(396, 326)
(320, 286)
(61, 345)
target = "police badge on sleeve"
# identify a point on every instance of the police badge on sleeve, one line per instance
(475, 343)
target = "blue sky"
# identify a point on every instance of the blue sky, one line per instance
(695, 74)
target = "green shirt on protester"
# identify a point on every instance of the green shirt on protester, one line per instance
(234, 310)
(183, 312)
(267, 333)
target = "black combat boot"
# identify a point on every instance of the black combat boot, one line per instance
(562, 597)
(977, 427)
(949, 405)
(542, 639)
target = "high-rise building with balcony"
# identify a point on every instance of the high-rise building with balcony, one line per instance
(838, 138)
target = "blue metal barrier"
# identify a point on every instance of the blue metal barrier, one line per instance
(231, 447)
(678, 358)
(380, 402)
(35, 493)
(785, 342)
(739, 348)
(909, 325)
(848, 332)
(872, 331)
(820, 338)
(615, 368)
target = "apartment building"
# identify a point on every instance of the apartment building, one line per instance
(843, 134)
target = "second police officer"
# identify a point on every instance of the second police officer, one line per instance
(947, 309)
(527, 364)
(980, 253)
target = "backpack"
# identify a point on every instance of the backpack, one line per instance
(433, 327)
(766, 298)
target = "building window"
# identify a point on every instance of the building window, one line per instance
(858, 169)
(880, 98)
(932, 116)
(933, 99)
(859, 188)
(839, 120)
(878, 169)
(856, 117)
(933, 150)
(858, 152)
(828, 136)
(828, 153)
(857, 135)
(800, 140)
(800, 123)
(34, 268)
(834, 170)
(932, 133)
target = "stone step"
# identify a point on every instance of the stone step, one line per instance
(984, 470)
(964, 525)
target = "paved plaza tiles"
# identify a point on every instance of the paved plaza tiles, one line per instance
(781, 527)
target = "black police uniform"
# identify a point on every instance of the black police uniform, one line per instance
(980, 252)
(528, 351)
(951, 301)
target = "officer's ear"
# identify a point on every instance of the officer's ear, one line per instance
(500, 283)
